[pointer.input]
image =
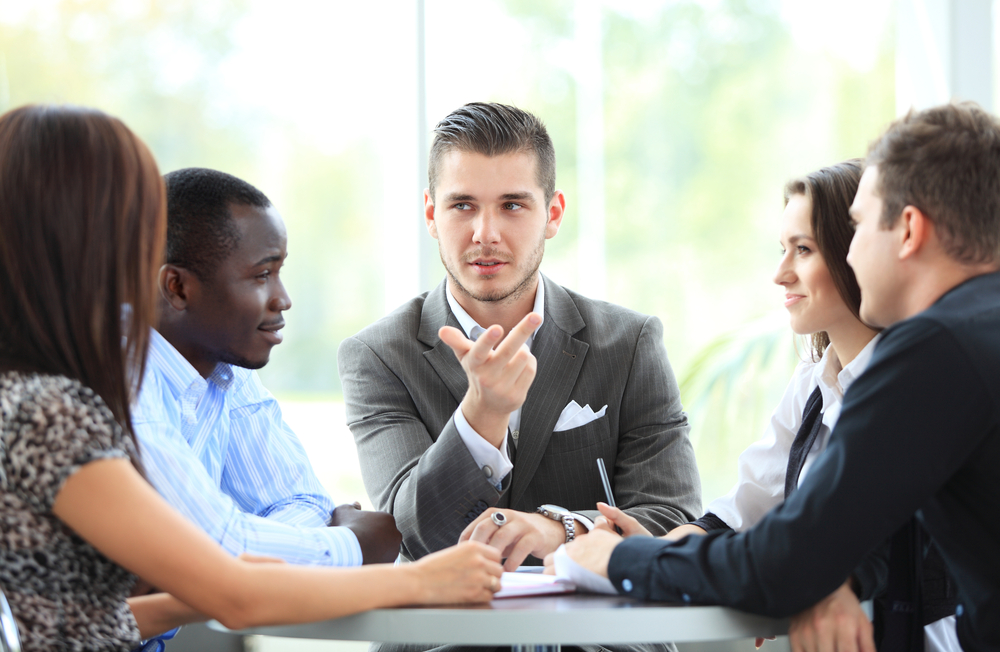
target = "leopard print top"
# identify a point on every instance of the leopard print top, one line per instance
(65, 595)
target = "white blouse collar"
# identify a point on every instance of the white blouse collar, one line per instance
(833, 379)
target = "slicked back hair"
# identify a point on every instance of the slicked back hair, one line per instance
(494, 129)
(201, 232)
(946, 162)
(831, 191)
(82, 220)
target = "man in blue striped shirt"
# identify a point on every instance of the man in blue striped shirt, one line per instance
(212, 438)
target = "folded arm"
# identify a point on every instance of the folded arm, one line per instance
(266, 469)
(176, 472)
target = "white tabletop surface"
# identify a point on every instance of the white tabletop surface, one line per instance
(578, 619)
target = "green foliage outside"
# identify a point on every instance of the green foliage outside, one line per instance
(709, 108)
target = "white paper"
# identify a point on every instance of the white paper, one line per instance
(585, 580)
(574, 416)
(516, 585)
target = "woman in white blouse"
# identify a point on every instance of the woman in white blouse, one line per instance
(823, 301)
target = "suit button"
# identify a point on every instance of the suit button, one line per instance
(482, 506)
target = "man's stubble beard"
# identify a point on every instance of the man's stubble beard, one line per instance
(500, 295)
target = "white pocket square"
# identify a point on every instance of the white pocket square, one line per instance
(574, 416)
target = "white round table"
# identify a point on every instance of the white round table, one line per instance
(547, 621)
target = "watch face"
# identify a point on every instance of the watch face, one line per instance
(554, 512)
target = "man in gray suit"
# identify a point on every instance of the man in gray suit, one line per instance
(456, 423)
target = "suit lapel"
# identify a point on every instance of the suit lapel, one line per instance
(435, 314)
(560, 357)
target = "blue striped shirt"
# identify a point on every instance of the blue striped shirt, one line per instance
(219, 452)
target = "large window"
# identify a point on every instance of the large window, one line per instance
(676, 125)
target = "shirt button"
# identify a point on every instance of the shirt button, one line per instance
(959, 610)
(488, 471)
(627, 585)
(685, 597)
(515, 434)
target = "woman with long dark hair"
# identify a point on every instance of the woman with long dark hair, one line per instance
(823, 301)
(82, 223)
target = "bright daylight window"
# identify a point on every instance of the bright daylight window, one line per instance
(676, 124)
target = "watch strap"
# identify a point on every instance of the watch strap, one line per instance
(567, 518)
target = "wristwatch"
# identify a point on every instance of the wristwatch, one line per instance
(568, 519)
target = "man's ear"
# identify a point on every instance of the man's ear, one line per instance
(557, 208)
(429, 213)
(917, 231)
(176, 285)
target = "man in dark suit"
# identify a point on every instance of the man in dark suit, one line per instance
(493, 395)
(920, 429)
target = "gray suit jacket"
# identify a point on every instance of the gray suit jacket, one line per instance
(402, 385)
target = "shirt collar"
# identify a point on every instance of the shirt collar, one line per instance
(180, 376)
(858, 365)
(222, 376)
(834, 380)
(473, 330)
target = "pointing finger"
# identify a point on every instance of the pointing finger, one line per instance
(482, 347)
(519, 335)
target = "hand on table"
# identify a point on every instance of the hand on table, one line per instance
(522, 535)
(498, 378)
(835, 623)
(593, 552)
(612, 516)
(376, 532)
(467, 572)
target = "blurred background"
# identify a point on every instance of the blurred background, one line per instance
(676, 124)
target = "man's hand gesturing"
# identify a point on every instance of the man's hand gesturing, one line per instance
(376, 532)
(498, 378)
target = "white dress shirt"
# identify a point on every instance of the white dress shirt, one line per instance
(761, 482)
(495, 463)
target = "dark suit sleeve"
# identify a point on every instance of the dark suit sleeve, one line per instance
(655, 476)
(908, 425)
(432, 485)
(872, 573)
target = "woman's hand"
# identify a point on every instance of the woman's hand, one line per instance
(612, 516)
(467, 572)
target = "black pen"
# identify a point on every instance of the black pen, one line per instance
(607, 486)
(606, 482)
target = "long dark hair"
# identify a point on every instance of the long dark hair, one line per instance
(831, 192)
(82, 223)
